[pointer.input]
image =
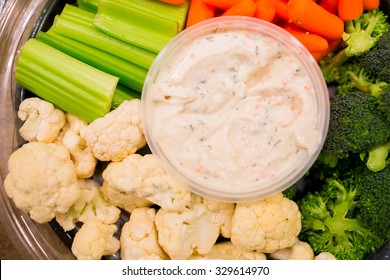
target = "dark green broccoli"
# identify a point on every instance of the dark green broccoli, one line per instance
(354, 77)
(373, 207)
(348, 216)
(377, 60)
(355, 125)
(384, 102)
(360, 35)
(291, 191)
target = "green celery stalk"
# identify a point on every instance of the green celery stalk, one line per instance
(77, 24)
(129, 74)
(176, 13)
(123, 20)
(89, 5)
(68, 83)
(123, 93)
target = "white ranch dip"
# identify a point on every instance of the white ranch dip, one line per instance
(234, 109)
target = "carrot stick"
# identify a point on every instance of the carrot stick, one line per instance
(332, 45)
(330, 5)
(242, 8)
(265, 10)
(350, 9)
(221, 4)
(371, 4)
(281, 9)
(313, 42)
(173, 2)
(315, 19)
(199, 11)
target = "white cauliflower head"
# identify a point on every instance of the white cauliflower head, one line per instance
(227, 251)
(42, 120)
(139, 237)
(42, 180)
(195, 229)
(117, 134)
(95, 240)
(266, 225)
(142, 176)
(90, 205)
(73, 138)
(299, 251)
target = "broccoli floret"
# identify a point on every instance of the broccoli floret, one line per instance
(330, 65)
(377, 60)
(360, 36)
(373, 207)
(355, 124)
(346, 216)
(376, 156)
(363, 33)
(353, 76)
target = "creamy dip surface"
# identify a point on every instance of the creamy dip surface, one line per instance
(234, 110)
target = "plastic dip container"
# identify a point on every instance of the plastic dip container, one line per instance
(236, 108)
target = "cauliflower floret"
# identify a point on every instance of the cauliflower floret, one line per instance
(195, 229)
(139, 237)
(325, 256)
(95, 240)
(126, 201)
(227, 251)
(299, 251)
(73, 138)
(117, 134)
(142, 176)
(42, 120)
(266, 225)
(42, 180)
(90, 205)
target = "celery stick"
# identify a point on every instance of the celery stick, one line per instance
(130, 24)
(123, 93)
(129, 74)
(128, 13)
(176, 13)
(68, 83)
(89, 5)
(77, 24)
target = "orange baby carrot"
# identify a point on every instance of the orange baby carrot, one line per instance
(350, 9)
(173, 2)
(281, 9)
(221, 4)
(242, 8)
(315, 19)
(330, 5)
(332, 45)
(371, 4)
(199, 11)
(313, 42)
(265, 10)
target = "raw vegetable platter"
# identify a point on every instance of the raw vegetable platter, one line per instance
(66, 237)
